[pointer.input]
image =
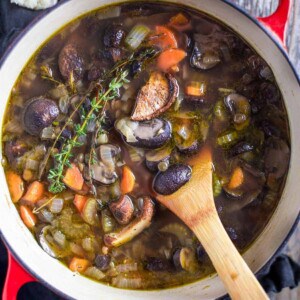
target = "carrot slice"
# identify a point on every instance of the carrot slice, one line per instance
(128, 180)
(196, 88)
(164, 38)
(78, 264)
(237, 178)
(79, 202)
(34, 192)
(73, 178)
(170, 58)
(27, 216)
(180, 22)
(15, 186)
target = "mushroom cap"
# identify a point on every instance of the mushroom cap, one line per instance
(38, 114)
(168, 182)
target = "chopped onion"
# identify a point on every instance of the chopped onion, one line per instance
(64, 104)
(108, 223)
(127, 267)
(120, 163)
(67, 195)
(89, 213)
(183, 133)
(46, 215)
(179, 230)
(136, 36)
(128, 94)
(127, 283)
(60, 238)
(115, 190)
(13, 127)
(226, 53)
(76, 249)
(48, 133)
(91, 125)
(111, 12)
(134, 155)
(82, 139)
(87, 244)
(127, 127)
(94, 273)
(226, 91)
(32, 164)
(56, 205)
(102, 139)
(267, 73)
(59, 91)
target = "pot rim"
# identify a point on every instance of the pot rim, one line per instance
(42, 15)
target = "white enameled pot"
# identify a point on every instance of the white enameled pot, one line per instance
(56, 276)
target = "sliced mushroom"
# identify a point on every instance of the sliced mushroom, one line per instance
(248, 190)
(71, 61)
(154, 157)
(189, 147)
(122, 209)
(151, 134)
(109, 154)
(277, 157)
(142, 222)
(185, 259)
(168, 182)
(47, 242)
(154, 98)
(38, 114)
(240, 148)
(101, 173)
(240, 109)
(204, 59)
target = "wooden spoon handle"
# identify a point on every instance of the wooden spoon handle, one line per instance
(232, 269)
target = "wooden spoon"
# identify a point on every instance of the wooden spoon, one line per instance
(194, 204)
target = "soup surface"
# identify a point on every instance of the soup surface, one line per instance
(108, 113)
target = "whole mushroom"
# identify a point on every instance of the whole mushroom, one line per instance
(38, 114)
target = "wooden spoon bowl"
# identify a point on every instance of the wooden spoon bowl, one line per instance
(194, 204)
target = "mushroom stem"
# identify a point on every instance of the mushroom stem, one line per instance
(116, 239)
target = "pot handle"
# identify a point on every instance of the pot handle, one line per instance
(16, 277)
(278, 21)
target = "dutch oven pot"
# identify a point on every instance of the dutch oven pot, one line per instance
(50, 271)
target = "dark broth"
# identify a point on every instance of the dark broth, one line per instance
(255, 141)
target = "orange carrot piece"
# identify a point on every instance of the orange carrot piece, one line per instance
(128, 180)
(27, 216)
(78, 264)
(79, 202)
(195, 89)
(170, 58)
(34, 192)
(73, 178)
(180, 22)
(237, 178)
(15, 186)
(164, 38)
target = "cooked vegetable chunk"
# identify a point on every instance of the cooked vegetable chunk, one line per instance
(155, 97)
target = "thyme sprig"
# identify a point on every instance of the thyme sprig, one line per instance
(113, 80)
(62, 159)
